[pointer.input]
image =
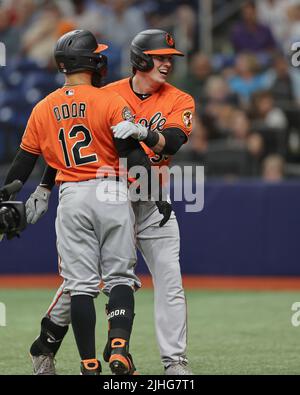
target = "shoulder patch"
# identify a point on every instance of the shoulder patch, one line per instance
(127, 114)
(187, 118)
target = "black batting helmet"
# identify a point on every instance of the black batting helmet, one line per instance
(78, 51)
(151, 42)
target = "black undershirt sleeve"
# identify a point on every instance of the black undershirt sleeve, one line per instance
(21, 167)
(174, 138)
(136, 156)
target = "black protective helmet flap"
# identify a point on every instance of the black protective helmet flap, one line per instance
(151, 42)
(78, 51)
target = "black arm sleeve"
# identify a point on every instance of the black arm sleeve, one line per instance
(136, 156)
(48, 178)
(133, 151)
(21, 167)
(174, 138)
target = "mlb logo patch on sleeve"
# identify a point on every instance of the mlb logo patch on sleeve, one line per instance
(70, 92)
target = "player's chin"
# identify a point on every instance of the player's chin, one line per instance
(161, 78)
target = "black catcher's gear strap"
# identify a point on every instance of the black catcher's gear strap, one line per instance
(21, 167)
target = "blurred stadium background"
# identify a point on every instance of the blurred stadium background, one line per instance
(246, 135)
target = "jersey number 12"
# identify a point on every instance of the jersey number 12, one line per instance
(78, 158)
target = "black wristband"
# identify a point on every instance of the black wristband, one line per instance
(152, 139)
(48, 178)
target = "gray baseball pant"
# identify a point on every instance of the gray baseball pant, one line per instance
(160, 249)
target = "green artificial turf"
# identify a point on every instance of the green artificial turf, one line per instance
(228, 332)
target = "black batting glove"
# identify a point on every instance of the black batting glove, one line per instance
(165, 209)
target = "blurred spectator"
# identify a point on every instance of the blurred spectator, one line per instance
(196, 147)
(15, 18)
(247, 78)
(273, 13)
(273, 168)
(266, 114)
(100, 6)
(88, 18)
(184, 27)
(9, 35)
(160, 13)
(241, 132)
(238, 153)
(194, 81)
(24, 12)
(218, 91)
(121, 25)
(293, 35)
(249, 35)
(63, 26)
(199, 139)
(281, 82)
(293, 30)
(218, 106)
(39, 39)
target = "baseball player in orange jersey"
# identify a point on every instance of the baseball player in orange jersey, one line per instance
(71, 128)
(163, 116)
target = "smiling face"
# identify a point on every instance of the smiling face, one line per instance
(147, 82)
(162, 68)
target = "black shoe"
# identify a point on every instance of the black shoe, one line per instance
(90, 367)
(120, 361)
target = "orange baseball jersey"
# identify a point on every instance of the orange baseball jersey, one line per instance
(169, 107)
(71, 129)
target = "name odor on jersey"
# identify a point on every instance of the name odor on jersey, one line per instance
(66, 111)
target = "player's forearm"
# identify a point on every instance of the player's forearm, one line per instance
(21, 167)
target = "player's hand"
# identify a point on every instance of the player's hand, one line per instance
(165, 209)
(37, 204)
(126, 129)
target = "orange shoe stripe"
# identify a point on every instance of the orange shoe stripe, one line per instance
(118, 343)
(87, 362)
